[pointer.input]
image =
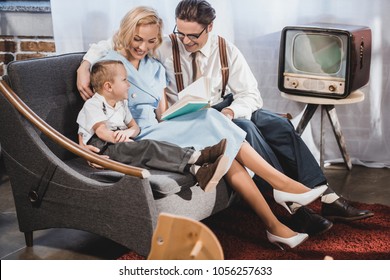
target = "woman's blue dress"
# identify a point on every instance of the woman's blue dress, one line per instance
(199, 129)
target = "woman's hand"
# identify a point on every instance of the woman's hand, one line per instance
(84, 80)
(162, 106)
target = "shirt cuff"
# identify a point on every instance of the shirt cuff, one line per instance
(240, 112)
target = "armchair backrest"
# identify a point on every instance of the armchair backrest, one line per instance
(48, 86)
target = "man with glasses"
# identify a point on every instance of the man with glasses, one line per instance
(271, 135)
(192, 37)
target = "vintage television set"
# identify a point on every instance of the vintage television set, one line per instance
(324, 60)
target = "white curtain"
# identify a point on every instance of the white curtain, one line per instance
(254, 26)
(77, 24)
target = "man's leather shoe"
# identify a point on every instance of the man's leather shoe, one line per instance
(340, 210)
(306, 220)
(210, 154)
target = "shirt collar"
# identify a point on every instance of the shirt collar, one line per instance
(206, 50)
(102, 99)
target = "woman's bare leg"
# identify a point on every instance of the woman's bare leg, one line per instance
(248, 157)
(239, 179)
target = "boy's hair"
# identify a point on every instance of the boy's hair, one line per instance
(199, 11)
(103, 71)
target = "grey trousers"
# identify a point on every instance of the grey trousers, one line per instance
(149, 154)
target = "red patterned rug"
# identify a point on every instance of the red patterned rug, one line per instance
(242, 236)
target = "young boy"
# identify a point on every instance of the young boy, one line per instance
(106, 123)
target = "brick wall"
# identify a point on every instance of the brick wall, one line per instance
(20, 48)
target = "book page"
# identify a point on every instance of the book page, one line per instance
(200, 88)
(193, 98)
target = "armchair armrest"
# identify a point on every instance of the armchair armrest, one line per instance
(65, 142)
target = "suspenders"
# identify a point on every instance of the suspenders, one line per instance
(177, 65)
(224, 63)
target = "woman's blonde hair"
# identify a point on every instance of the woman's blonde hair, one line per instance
(134, 18)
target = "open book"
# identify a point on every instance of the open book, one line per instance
(193, 98)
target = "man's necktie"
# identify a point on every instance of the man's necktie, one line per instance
(195, 67)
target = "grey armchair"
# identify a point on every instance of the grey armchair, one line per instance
(52, 184)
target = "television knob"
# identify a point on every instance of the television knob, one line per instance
(294, 83)
(332, 88)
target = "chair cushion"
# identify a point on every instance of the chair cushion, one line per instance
(166, 183)
(162, 183)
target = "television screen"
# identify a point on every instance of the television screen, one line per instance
(317, 53)
(324, 60)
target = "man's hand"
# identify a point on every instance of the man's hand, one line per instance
(84, 80)
(228, 113)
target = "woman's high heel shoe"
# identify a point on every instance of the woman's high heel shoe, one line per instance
(292, 242)
(301, 198)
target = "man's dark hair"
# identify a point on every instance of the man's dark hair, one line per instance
(199, 11)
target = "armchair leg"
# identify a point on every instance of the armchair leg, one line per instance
(28, 236)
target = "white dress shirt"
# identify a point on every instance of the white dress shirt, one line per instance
(241, 83)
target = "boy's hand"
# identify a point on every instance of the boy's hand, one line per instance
(95, 150)
(123, 135)
(91, 148)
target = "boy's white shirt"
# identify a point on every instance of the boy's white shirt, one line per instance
(94, 111)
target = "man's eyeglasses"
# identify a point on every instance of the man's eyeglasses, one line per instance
(192, 37)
